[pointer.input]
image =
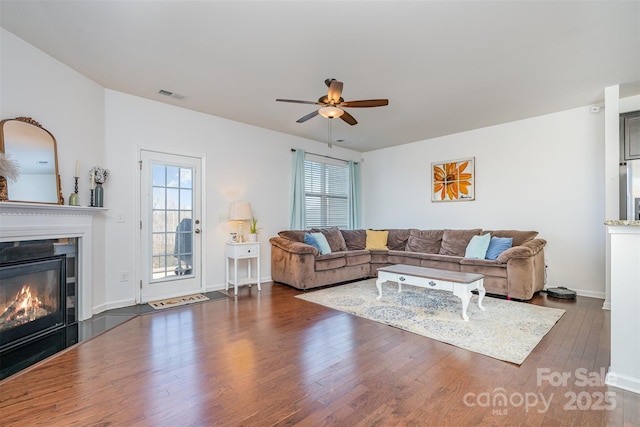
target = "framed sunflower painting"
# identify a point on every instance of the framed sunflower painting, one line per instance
(453, 181)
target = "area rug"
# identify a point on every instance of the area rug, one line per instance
(506, 330)
(175, 302)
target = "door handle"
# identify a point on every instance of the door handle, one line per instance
(197, 231)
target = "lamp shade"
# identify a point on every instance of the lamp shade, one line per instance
(330, 112)
(240, 211)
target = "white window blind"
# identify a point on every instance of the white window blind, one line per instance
(326, 194)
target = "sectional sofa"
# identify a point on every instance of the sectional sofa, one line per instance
(517, 272)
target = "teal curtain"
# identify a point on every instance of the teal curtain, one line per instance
(297, 191)
(354, 195)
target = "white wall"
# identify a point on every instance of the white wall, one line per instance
(544, 173)
(68, 105)
(242, 163)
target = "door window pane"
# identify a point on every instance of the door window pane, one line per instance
(172, 213)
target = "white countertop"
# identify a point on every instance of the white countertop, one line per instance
(622, 222)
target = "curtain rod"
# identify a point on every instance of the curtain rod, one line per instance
(293, 150)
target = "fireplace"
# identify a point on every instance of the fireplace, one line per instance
(33, 317)
(29, 230)
(31, 299)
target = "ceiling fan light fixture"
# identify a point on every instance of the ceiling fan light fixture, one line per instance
(330, 112)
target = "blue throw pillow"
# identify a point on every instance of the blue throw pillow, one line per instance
(497, 246)
(323, 243)
(477, 247)
(310, 240)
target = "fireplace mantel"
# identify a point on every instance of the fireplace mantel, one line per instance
(18, 208)
(35, 221)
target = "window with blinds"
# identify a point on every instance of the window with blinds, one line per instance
(326, 194)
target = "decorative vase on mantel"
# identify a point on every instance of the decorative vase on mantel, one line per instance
(253, 237)
(99, 195)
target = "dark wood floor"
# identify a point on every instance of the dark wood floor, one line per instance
(271, 359)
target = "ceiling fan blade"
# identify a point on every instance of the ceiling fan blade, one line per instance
(365, 103)
(307, 117)
(348, 118)
(298, 101)
(335, 91)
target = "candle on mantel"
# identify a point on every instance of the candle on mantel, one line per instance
(77, 168)
(93, 182)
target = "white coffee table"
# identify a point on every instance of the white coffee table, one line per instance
(460, 284)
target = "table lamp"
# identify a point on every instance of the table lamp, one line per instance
(240, 211)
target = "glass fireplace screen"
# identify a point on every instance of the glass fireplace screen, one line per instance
(31, 298)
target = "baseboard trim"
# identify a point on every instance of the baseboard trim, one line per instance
(114, 304)
(624, 382)
(220, 286)
(590, 294)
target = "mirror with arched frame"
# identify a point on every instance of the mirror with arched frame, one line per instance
(32, 150)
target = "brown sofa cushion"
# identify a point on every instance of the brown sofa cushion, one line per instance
(293, 235)
(424, 241)
(404, 257)
(334, 238)
(379, 256)
(519, 237)
(330, 261)
(354, 239)
(454, 242)
(483, 266)
(357, 257)
(397, 239)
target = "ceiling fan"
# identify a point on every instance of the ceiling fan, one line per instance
(333, 104)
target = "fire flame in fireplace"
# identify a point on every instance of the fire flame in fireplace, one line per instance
(25, 308)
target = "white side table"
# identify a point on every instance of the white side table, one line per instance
(238, 251)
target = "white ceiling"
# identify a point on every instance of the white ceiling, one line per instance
(446, 66)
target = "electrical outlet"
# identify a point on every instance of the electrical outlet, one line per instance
(124, 276)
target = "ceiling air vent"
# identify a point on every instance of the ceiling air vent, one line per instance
(171, 94)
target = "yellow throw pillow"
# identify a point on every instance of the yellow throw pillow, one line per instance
(377, 240)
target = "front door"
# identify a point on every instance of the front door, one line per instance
(170, 226)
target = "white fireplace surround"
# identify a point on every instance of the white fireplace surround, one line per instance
(34, 221)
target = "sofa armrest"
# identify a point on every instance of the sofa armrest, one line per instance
(293, 247)
(526, 250)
